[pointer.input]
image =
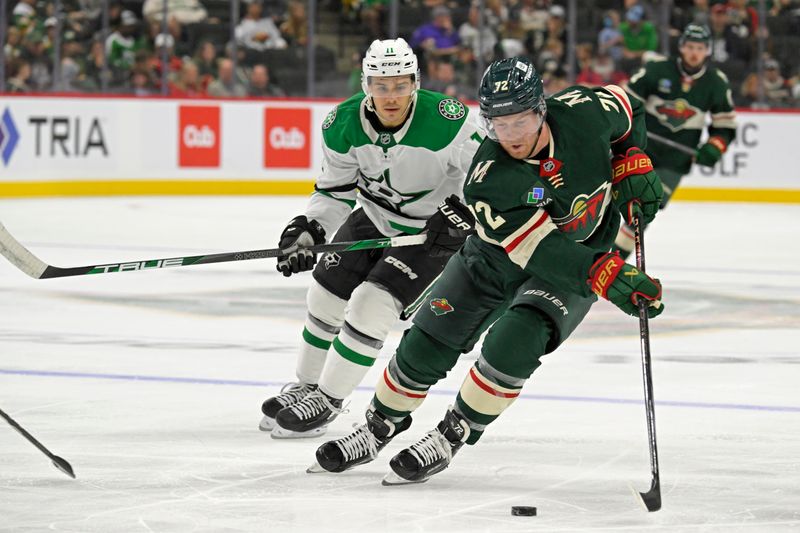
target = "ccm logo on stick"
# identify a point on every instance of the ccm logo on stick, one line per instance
(199, 136)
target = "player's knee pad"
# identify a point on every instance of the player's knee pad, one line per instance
(517, 340)
(372, 311)
(325, 306)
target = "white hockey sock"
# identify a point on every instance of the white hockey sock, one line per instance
(351, 358)
(317, 338)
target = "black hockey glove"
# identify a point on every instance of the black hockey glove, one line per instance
(299, 233)
(448, 228)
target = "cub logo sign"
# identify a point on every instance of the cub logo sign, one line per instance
(199, 136)
(287, 136)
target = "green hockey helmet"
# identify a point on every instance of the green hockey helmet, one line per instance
(508, 87)
(696, 33)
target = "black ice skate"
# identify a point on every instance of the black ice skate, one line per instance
(431, 454)
(291, 393)
(307, 418)
(359, 447)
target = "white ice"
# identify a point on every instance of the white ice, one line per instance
(150, 384)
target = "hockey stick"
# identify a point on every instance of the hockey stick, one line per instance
(24, 260)
(652, 498)
(58, 462)
(672, 144)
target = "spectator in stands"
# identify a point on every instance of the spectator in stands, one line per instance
(24, 14)
(437, 38)
(557, 24)
(121, 46)
(174, 63)
(140, 83)
(742, 18)
(93, 67)
(226, 85)
(185, 11)
(777, 91)
(638, 35)
(726, 44)
(512, 36)
(206, 60)
(19, 72)
(13, 45)
(600, 71)
(256, 32)
(480, 40)
(188, 83)
(260, 85)
(41, 66)
(552, 57)
(295, 28)
(444, 81)
(610, 39)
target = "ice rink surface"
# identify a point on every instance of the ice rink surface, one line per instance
(150, 384)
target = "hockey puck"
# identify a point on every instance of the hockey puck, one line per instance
(523, 510)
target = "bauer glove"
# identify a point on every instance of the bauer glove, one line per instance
(298, 234)
(710, 153)
(622, 284)
(448, 228)
(636, 187)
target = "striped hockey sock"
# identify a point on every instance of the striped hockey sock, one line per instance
(351, 358)
(317, 339)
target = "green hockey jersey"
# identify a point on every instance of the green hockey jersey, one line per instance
(677, 104)
(552, 217)
(398, 178)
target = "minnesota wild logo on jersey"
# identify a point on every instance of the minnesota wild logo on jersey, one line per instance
(676, 114)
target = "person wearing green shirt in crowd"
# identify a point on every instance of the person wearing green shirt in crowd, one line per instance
(638, 35)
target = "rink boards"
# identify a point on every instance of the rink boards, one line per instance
(78, 146)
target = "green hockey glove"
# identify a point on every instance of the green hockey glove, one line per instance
(710, 153)
(622, 284)
(636, 187)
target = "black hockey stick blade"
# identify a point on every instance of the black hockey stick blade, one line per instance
(63, 465)
(58, 462)
(652, 498)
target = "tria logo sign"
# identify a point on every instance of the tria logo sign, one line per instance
(199, 136)
(286, 135)
(9, 137)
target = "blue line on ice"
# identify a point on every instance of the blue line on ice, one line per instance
(544, 397)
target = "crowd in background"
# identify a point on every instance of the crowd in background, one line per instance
(453, 39)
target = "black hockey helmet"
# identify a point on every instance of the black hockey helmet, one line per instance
(697, 33)
(511, 86)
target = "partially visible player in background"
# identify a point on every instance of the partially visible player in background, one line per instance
(677, 93)
(406, 152)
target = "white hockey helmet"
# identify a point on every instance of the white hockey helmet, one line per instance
(391, 57)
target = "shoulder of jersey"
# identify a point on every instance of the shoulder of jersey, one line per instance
(441, 108)
(718, 76)
(342, 125)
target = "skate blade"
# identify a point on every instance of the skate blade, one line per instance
(266, 424)
(391, 479)
(315, 469)
(282, 433)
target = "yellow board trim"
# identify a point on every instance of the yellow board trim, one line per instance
(778, 196)
(152, 188)
(39, 189)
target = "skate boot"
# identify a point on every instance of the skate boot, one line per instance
(431, 454)
(307, 418)
(359, 447)
(290, 394)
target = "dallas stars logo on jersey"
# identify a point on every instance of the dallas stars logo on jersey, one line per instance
(380, 190)
(452, 109)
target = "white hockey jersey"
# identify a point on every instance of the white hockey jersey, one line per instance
(398, 178)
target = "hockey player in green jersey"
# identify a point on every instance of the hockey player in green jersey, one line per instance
(547, 200)
(404, 150)
(677, 93)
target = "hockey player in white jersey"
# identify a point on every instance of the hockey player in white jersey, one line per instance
(402, 152)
